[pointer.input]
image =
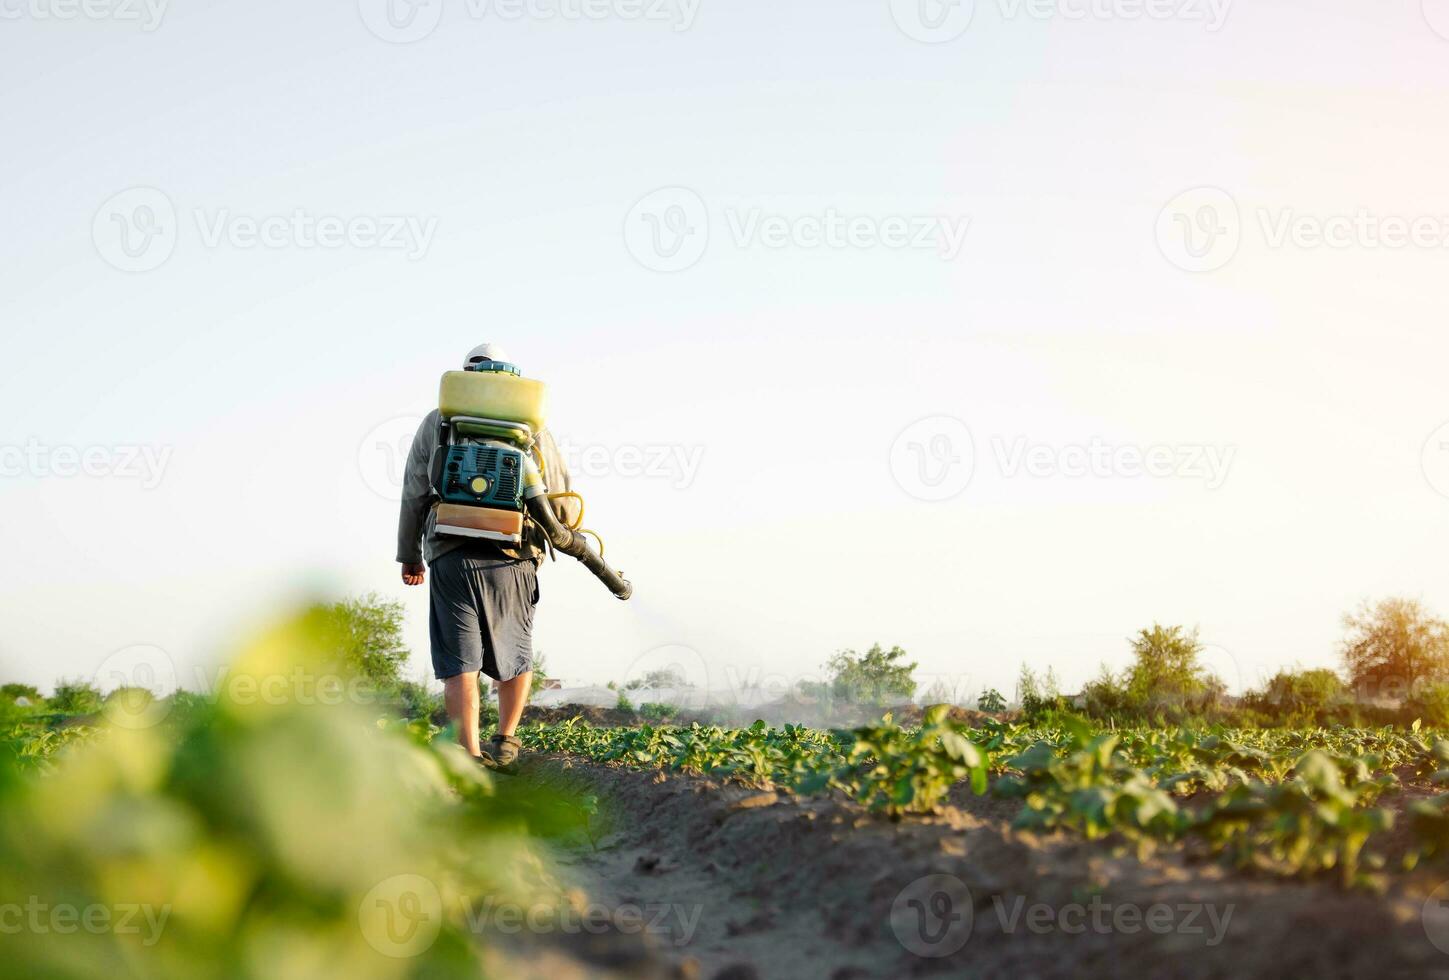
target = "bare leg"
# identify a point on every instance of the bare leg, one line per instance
(460, 696)
(512, 697)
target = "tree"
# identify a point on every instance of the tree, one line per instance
(1166, 667)
(75, 697)
(370, 636)
(14, 692)
(1106, 694)
(664, 677)
(1393, 647)
(1301, 690)
(991, 700)
(876, 677)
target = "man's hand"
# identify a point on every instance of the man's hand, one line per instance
(413, 573)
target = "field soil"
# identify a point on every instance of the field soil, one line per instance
(723, 881)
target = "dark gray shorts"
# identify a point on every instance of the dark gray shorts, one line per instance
(482, 615)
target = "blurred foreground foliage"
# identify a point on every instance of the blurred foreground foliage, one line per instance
(272, 837)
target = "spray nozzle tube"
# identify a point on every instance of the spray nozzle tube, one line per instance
(566, 539)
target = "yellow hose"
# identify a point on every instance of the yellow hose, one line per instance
(577, 496)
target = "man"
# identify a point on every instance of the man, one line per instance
(483, 593)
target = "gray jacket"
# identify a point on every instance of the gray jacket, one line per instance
(416, 538)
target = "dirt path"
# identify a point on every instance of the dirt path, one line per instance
(734, 883)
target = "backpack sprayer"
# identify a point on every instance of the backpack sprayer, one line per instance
(489, 473)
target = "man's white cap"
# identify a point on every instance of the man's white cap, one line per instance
(486, 352)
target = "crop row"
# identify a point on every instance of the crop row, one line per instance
(1281, 801)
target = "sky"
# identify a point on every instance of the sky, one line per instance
(996, 331)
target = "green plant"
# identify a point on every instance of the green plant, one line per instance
(658, 712)
(12, 693)
(991, 700)
(623, 703)
(876, 677)
(1394, 646)
(75, 697)
(368, 632)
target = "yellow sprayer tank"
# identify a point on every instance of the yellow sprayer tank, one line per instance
(493, 395)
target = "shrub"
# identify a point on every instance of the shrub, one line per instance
(418, 701)
(11, 693)
(1431, 704)
(991, 700)
(369, 634)
(654, 711)
(75, 697)
(876, 677)
(1312, 693)
(624, 704)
